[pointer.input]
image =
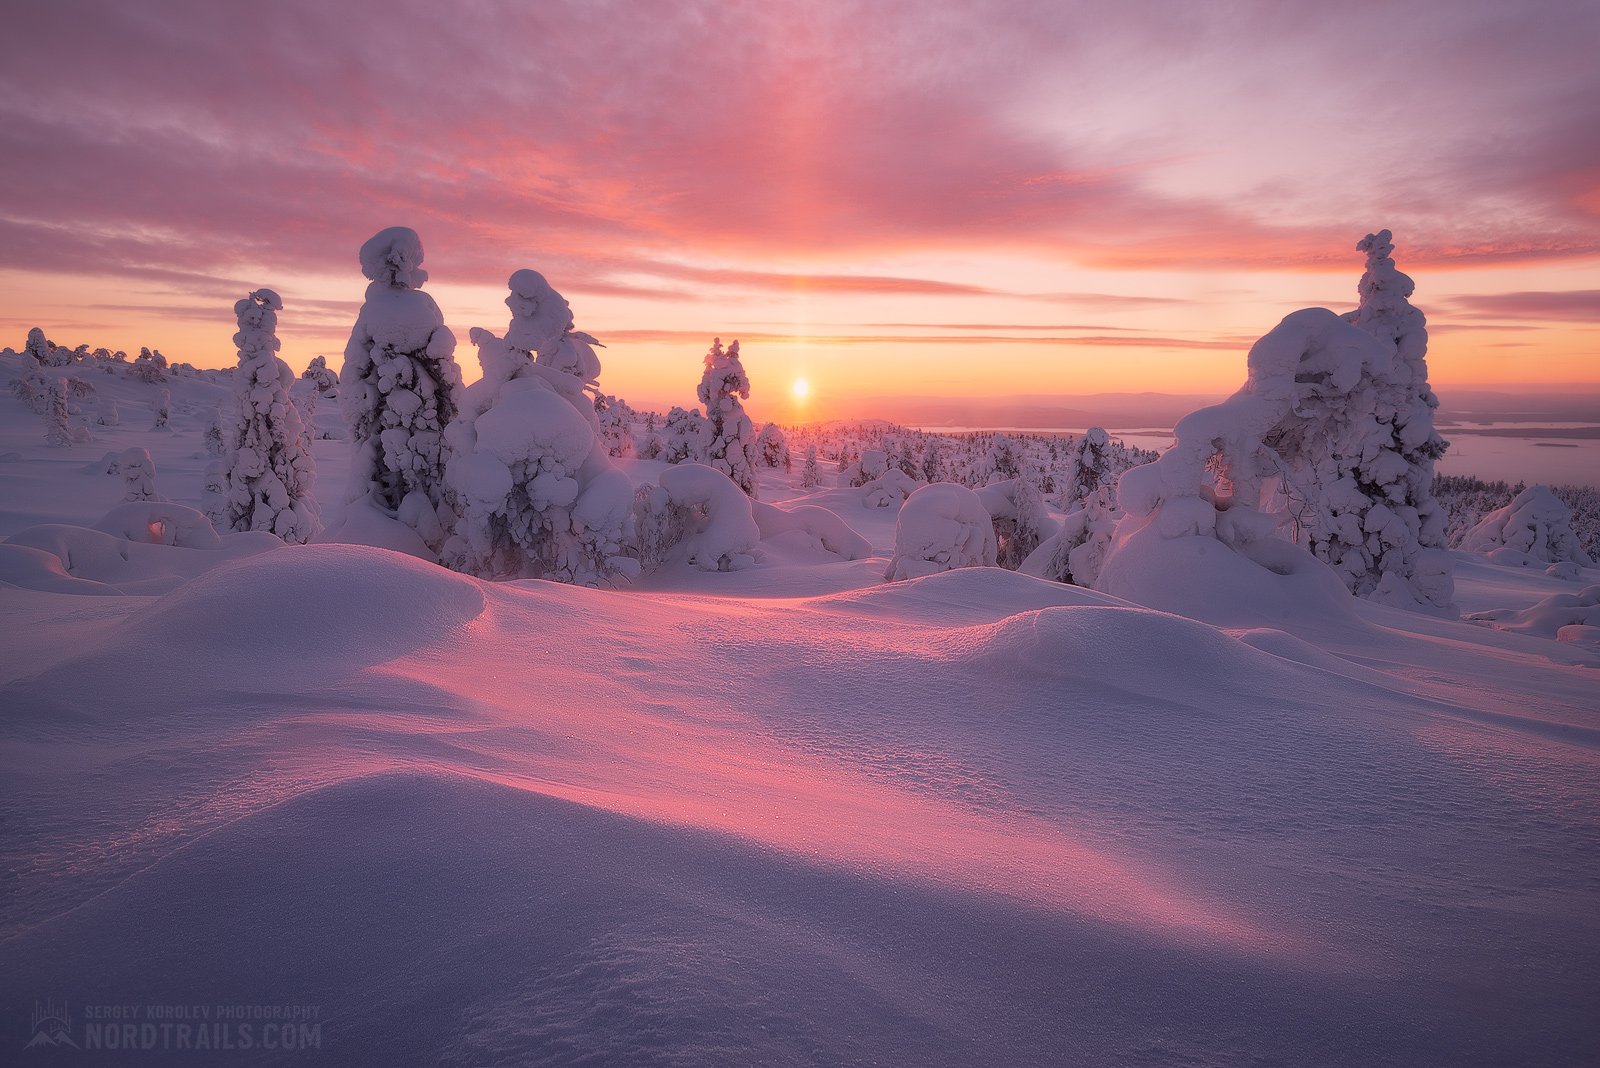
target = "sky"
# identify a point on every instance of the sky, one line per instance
(882, 198)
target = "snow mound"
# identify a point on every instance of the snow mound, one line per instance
(1566, 617)
(721, 532)
(821, 524)
(963, 597)
(140, 548)
(318, 603)
(940, 527)
(1199, 576)
(1109, 647)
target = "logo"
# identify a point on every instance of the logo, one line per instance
(52, 1025)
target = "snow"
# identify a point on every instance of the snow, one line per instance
(761, 806)
(941, 526)
(1534, 529)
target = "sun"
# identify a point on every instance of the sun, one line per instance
(800, 388)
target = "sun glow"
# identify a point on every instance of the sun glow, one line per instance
(800, 388)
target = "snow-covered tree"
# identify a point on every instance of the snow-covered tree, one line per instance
(1536, 525)
(321, 375)
(729, 433)
(1089, 463)
(810, 477)
(57, 418)
(616, 424)
(398, 388)
(270, 473)
(682, 436)
(138, 473)
(773, 447)
(534, 491)
(107, 412)
(1331, 438)
(940, 527)
(163, 410)
(1077, 551)
(1020, 519)
(150, 367)
(37, 348)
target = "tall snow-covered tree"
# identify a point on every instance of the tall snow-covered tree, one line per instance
(1089, 467)
(398, 388)
(1331, 438)
(269, 473)
(58, 420)
(810, 477)
(534, 491)
(729, 434)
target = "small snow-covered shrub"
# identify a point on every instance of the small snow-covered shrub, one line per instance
(138, 473)
(321, 376)
(773, 448)
(616, 425)
(1020, 519)
(719, 528)
(682, 436)
(1537, 525)
(888, 489)
(1076, 553)
(163, 410)
(940, 527)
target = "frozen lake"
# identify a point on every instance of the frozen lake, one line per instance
(1556, 461)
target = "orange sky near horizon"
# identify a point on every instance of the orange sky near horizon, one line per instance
(887, 199)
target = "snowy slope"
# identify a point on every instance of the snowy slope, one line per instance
(791, 815)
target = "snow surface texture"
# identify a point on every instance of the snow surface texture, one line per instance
(1535, 528)
(398, 388)
(786, 814)
(1566, 617)
(533, 489)
(941, 526)
(269, 474)
(728, 441)
(1331, 435)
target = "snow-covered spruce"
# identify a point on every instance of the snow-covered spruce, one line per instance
(940, 527)
(150, 367)
(616, 424)
(57, 419)
(682, 436)
(533, 490)
(729, 433)
(1330, 438)
(325, 380)
(268, 470)
(773, 448)
(138, 473)
(398, 389)
(1535, 528)
(1021, 522)
(1089, 465)
(810, 477)
(37, 348)
(163, 410)
(1078, 550)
